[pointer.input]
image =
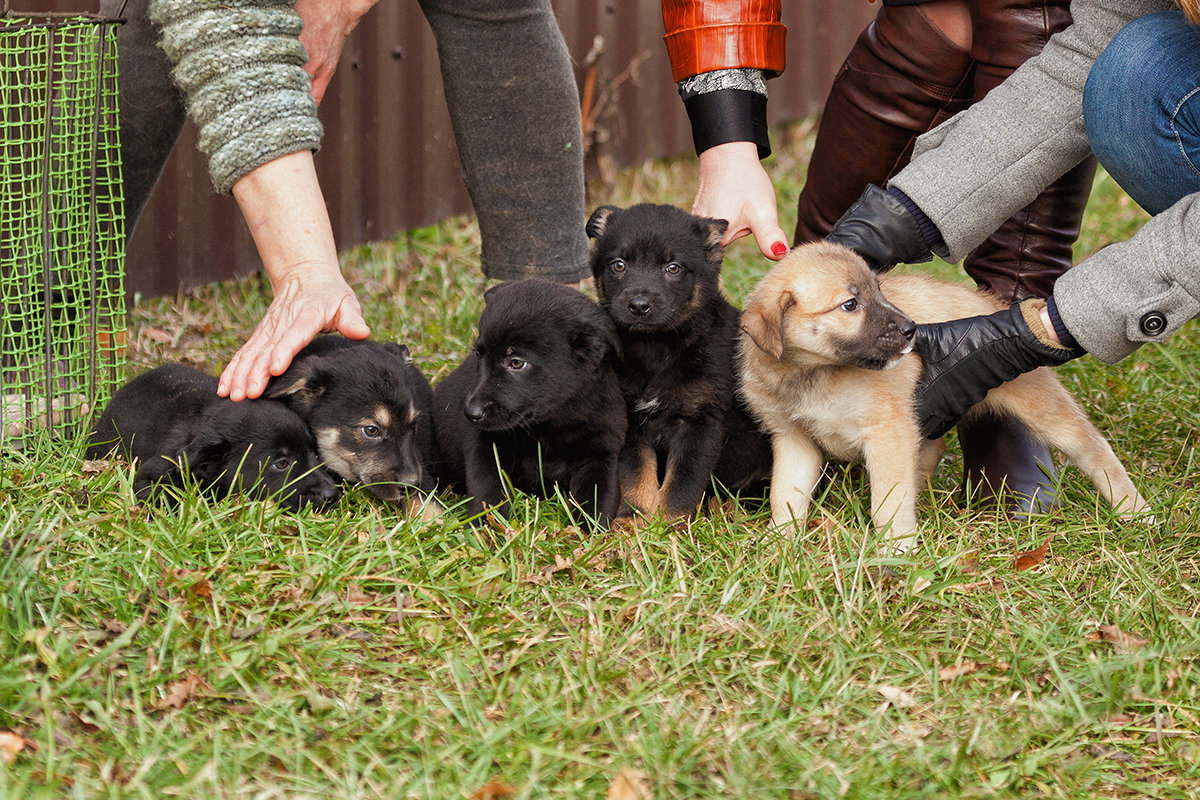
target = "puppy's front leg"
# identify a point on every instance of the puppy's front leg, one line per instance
(638, 473)
(597, 490)
(794, 474)
(692, 453)
(891, 461)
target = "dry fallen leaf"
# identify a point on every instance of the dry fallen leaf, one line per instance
(969, 668)
(158, 335)
(1033, 557)
(1121, 641)
(180, 692)
(11, 744)
(493, 790)
(897, 697)
(628, 785)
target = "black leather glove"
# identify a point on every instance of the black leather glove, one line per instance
(966, 358)
(880, 229)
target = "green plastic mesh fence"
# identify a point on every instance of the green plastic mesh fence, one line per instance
(62, 233)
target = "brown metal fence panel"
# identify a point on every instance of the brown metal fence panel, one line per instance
(388, 161)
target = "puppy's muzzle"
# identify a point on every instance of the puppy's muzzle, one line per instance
(475, 410)
(640, 306)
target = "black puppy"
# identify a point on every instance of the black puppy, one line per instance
(537, 399)
(371, 410)
(657, 272)
(172, 422)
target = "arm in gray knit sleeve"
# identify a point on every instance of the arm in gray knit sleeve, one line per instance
(241, 65)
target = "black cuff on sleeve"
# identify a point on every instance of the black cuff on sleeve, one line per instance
(729, 115)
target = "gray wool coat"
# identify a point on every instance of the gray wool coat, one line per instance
(972, 172)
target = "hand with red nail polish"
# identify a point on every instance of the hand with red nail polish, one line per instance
(734, 187)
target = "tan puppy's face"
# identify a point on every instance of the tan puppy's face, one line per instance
(822, 305)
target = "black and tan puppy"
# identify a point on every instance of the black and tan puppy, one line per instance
(657, 271)
(827, 366)
(172, 422)
(536, 400)
(371, 410)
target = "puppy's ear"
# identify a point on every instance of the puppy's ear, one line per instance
(592, 343)
(763, 323)
(599, 221)
(400, 351)
(204, 457)
(712, 230)
(299, 387)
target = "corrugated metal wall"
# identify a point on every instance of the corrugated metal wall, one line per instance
(388, 161)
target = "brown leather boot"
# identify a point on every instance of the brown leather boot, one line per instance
(1022, 259)
(902, 77)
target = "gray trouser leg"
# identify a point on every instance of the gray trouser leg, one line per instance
(514, 107)
(152, 108)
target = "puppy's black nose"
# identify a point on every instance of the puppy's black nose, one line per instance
(639, 306)
(473, 411)
(907, 328)
(330, 494)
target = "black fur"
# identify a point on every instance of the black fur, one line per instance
(537, 395)
(657, 272)
(171, 420)
(371, 410)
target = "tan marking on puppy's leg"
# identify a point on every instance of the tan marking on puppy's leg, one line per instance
(794, 475)
(642, 490)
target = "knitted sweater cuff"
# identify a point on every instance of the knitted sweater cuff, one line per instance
(241, 66)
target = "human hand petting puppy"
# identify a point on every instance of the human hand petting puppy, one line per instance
(285, 211)
(733, 186)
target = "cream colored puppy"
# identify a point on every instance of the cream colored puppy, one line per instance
(826, 367)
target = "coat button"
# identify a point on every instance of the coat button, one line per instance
(1153, 323)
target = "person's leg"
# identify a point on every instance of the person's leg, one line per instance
(152, 108)
(909, 70)
(514, 107)
(1141, 107)
(1023, 257)
(1030, 250)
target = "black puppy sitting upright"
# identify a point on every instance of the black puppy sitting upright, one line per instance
(657, 271)
(536, 400)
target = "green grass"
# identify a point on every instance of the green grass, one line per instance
(234, 650)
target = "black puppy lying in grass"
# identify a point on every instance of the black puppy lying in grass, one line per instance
(172, 422)
(536, 400)
(371, 410)
(657, 271)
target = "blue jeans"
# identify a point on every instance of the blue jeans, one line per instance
(1141, 107)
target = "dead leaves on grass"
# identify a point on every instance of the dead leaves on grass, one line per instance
(1031, 559)
(181, 692)
(13, 743)
(494, 789)
(1121, 641)
(628, 784)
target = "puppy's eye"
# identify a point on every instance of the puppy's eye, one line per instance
(673, 268)
(850, 305)
(281, 464)
(370, 431)
(616, 265)
(516, 364)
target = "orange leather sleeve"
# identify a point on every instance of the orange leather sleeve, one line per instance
(706, 35)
